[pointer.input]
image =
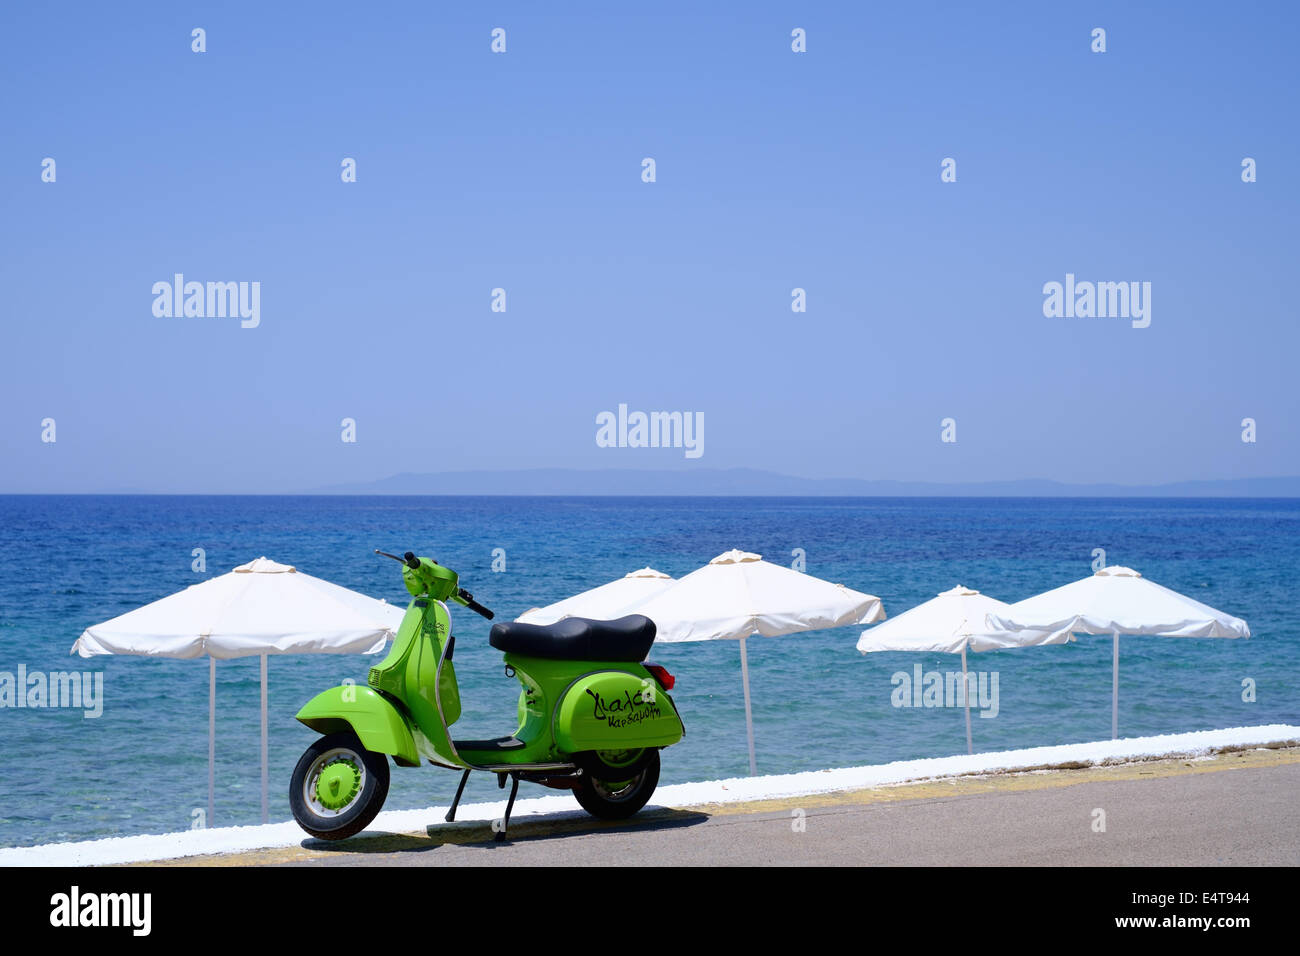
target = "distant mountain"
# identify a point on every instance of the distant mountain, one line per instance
(752, 482)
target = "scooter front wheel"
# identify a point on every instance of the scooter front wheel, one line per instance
(619, 799)
(338, 787)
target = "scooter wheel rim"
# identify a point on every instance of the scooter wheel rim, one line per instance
(617, 790)
(620, 758)
(311, 781)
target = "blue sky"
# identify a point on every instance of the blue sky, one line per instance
(522, 171)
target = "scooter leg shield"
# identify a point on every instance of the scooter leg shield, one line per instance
(615, 710)
(375, 721)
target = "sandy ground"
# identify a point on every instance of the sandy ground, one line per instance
(1231, 808)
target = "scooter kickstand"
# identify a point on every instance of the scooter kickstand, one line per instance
(451, 814)
(510, 805)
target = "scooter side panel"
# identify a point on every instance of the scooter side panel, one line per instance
(375, 721)
(615, 710)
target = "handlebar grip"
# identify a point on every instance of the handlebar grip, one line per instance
(411, 560)
(474, 605)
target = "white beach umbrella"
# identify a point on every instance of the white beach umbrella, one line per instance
(738, 594)
(1118, 601)
(948, 624)
(604, 603)
(259, 608)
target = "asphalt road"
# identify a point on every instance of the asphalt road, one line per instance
(1239, 816)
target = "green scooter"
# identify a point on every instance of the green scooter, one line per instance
(592, 715)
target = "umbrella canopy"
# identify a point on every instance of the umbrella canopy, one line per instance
(259, 608)
(948, 624)
(1118, 601)
(604, 603)
(738, 594)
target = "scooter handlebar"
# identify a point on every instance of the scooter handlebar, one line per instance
(468, 600)
(460, 597)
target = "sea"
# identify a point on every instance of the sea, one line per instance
(140, 766)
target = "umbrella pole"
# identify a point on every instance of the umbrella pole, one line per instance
(264, 776)
(1114, 690)
(749, 716)
(965, 693)
(212, 736)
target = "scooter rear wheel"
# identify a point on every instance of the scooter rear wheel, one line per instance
(619, 799)
(337, 787)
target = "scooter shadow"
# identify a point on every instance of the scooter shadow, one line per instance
(481, 833)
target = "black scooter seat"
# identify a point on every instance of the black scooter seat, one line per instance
(578, 639)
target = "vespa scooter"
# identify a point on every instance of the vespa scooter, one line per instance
(592, 715)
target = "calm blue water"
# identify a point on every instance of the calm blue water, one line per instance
(69, 562)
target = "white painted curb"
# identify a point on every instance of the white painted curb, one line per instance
(136, 849)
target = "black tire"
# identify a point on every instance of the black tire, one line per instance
(593, 763)
(354, 815)
(609, 801)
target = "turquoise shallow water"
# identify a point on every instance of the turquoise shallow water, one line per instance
(68, 562)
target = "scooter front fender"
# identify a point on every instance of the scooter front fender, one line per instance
(377, 723)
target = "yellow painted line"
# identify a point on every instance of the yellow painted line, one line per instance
(359, 848)
(1019, 781)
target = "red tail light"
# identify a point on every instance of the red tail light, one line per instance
(665, 679)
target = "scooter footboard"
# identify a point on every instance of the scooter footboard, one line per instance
(615, 710)
(377, 723)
